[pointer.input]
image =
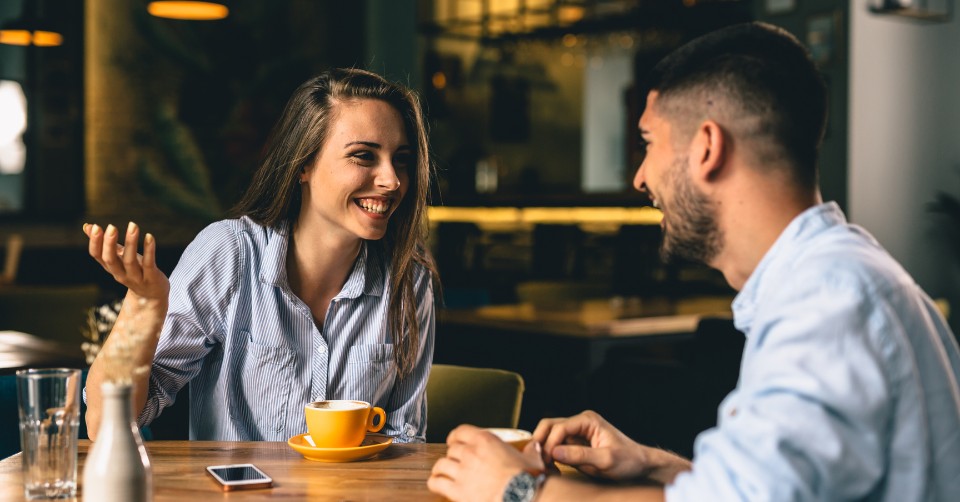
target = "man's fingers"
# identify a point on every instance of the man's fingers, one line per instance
(590, 470)
(441, 485)
(533, 453)
(543, 429)
(465, 434)
(446, 467)
(455, 451)
(561, 433)
(578, 456)
(572, 455)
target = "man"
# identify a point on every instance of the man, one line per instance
(849, 384)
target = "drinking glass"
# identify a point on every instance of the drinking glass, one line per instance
(49, 404)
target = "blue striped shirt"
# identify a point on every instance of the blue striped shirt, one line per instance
(849, 385)
(252, 354)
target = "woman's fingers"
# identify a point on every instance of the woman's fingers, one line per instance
(95, 245)
(149, 252)
(138, 273)
(108, 253)
(131, 264)
(120, 260)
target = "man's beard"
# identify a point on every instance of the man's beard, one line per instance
(691, 230)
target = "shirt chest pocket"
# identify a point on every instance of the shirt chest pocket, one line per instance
(370, 371)
(377, 353)
(261, 388)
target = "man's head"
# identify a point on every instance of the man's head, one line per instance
(755, 87)
(759, 83)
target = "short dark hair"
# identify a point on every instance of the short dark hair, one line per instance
(766, 76)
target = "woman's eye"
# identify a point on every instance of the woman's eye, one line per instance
(403, 160)
(363, 156)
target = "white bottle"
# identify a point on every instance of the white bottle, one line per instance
(117, 468)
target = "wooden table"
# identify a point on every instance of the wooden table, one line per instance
(565, 351)
(21, 350)
(595, 319)
(398, 473)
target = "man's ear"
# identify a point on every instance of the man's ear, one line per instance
(708, 150)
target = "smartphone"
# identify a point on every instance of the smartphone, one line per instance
(239, 477)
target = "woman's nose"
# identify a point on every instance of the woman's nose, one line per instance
(387, 177)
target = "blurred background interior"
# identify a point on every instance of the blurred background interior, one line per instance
(111, 113)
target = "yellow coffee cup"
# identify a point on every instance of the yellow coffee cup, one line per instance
(518, 438)
(342, 423)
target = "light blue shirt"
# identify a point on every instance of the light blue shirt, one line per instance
(253, 355)
(849, 385)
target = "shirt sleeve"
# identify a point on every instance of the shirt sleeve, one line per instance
(201, 288)
(808, 419)
(408, 423)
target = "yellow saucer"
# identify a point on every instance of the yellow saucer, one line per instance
(371, 445)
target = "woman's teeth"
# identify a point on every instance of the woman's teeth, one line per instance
(374, 206)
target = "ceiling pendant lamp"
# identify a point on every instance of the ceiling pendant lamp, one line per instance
(207, 10)
(30, 29)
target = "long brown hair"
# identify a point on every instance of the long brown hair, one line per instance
(273, 198)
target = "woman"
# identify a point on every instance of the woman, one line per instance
(322, 288)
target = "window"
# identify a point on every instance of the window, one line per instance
(13, 151)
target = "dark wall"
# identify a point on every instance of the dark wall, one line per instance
(823, 25)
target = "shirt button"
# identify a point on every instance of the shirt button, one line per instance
(322, 349)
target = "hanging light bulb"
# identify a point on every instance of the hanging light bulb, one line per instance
(43, 38)
(30, 29)
(11, 36)
(207, 10)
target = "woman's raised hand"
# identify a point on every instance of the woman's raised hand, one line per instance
(138, 273)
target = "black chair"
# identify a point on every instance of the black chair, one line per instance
(557, 252)
(173, 422)
(666, 394)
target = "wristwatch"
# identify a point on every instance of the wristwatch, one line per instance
(523, 487)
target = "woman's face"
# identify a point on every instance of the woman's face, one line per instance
(360, 174)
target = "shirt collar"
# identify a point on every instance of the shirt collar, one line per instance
(366, 276)
(274, 270)
(806, 225)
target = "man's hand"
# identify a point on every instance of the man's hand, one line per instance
(596, 448)
(478, 465)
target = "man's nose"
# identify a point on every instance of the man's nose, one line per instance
(639, 180)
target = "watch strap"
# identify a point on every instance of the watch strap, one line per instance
(523, 487)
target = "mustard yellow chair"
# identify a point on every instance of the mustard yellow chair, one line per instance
(484, 397)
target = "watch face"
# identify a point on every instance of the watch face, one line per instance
(521, 488)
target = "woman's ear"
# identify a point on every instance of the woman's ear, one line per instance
(708, 150)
